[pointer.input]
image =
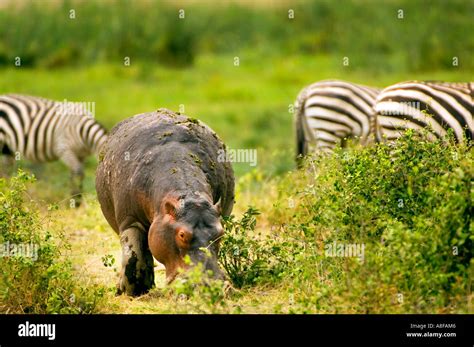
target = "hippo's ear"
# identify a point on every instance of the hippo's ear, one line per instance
(170, 209)
(218, 206)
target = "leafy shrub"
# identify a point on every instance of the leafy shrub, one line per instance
(39, 280)
(250, 258)
(409, 204)
(199, 290)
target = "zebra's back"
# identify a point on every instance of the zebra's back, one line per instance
(432, 105)
(40, 131)
(332, 110)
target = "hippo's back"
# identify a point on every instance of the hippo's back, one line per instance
(150, 151)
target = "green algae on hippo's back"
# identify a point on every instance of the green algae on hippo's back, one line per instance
(163, 190)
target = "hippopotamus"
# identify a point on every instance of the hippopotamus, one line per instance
(163, 189)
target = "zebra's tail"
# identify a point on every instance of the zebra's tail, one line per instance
(94, 136)
(301, 142)
(374, 133)
(100, 140)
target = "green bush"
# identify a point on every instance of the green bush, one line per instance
(38, 279)
(250, 258)
(198, 291)
(409, 204)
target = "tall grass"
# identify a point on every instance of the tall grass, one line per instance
(375, 35)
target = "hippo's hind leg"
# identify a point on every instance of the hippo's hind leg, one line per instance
(137, 276)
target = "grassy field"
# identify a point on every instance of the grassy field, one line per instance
(247, 105)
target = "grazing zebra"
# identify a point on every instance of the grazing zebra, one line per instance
(435, 106)
(329, 112)
(42, 130)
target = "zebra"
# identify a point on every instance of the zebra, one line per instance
(329, 112)
(436, 106)
(42, 130)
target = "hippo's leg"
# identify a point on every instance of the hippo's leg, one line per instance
(137, 276)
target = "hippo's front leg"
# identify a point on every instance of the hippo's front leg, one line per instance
(136, 276)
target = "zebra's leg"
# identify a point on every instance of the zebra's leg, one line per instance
(344, 141)
(77, 176)
(137, 274)
(8, 165)
(7, 160)
(301, 143)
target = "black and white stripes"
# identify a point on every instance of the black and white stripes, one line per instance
(43, 130)
(437, 107)
(328, 112)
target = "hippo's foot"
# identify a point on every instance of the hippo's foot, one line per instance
(137, 276)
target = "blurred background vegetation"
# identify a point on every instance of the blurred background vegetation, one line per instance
(374, 35)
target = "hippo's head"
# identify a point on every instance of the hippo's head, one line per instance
(188, 225)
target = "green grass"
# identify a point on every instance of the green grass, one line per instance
(248, 107)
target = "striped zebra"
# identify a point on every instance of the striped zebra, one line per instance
(436, 106)
(42, 130)
(329, 112)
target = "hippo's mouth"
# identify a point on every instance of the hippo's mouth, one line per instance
(209, 265)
